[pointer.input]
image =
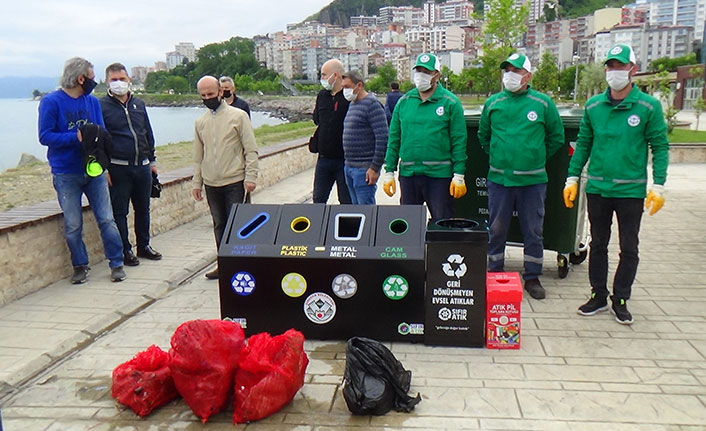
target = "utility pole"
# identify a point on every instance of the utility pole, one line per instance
(576, 59)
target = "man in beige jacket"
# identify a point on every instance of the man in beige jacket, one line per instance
(225, 157)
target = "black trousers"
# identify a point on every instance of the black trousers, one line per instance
(600, 215)
(220, 201)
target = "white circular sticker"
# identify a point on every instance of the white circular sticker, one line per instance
(424, 58)
(532, 116)
(319, 308)
(440, 111)
(514, 56)
(344, 286)
(616, 50)
(633, 120)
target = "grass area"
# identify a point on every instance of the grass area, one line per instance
(32, 184)
(684, 136)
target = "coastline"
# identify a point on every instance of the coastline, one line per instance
(291, 108)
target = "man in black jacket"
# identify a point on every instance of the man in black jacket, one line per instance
(329, 113)
(132, 161)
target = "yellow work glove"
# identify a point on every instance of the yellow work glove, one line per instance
(571, 189)
(457, 188)
(655, 199)
(388, 183)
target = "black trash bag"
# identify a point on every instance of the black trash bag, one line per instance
(374, 381)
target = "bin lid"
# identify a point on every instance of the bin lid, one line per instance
(570, 116)
(456, 230)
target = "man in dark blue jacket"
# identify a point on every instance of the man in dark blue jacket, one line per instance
(391, 100)
(132, 161)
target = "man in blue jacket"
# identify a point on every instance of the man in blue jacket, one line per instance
(62, 114)
(132, 162)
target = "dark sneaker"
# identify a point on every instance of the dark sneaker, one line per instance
(213, 275)
(149, 253)
(594, 305)
(117, 273)
(620, 310)
(535, 289)
(130, 259)
(80, 274)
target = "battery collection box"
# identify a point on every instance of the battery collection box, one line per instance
(503, 315)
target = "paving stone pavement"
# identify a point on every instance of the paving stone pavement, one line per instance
(59, 346)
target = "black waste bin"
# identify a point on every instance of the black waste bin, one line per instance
(331, 272)
(455, 290)
(563, 227)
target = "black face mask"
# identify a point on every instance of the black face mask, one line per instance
(88, 85)
(226, 94)
(212, 103)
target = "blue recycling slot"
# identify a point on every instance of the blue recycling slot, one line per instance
(253, 225)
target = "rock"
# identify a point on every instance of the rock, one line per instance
(27, 159)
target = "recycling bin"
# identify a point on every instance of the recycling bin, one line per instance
(564, 228)
(331, 272)
(455, 291)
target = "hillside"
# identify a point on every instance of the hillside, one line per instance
(338, 12)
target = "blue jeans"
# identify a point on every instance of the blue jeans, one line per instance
(600, 214)
(328, 171)
(419, 189)
(131, 183)
(529, 203)
(360, 191)
(69, 188)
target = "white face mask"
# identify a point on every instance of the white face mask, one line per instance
(512, 81)
(119, 88)
(349, 94)
(326, 83)
(422, 81)
(617, 79)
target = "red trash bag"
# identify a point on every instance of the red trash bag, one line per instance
(144, 382)
(204, 357)
(270, 372)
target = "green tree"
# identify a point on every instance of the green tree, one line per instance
(592, 80)
(154, 83)
(177, 84)
(381, 83)
(546, 79)
(671, 64)
(36, 93)
(659, 86)
(461, 83)
(567, 79)
(504, 28)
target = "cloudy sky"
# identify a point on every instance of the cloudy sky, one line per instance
(37, 36)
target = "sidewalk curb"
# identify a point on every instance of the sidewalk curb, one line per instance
(108, 322)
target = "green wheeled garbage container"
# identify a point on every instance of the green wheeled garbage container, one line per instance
(564, 228)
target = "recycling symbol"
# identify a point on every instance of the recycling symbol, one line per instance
(395, 287)
(243, 283)
(454, 261)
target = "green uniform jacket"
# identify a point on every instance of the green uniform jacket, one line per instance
(520, 131)
(616, 138)
(428, 138)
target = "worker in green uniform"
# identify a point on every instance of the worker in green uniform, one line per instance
(428, 139)
(617, 129)
(520, 129)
